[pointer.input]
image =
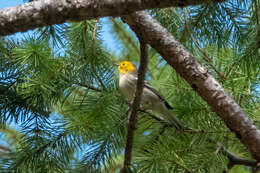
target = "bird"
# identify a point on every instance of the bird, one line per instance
(151, 99)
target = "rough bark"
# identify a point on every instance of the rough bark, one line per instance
(198, 77)
(47, 12)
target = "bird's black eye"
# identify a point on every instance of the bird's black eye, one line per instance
(123, 64)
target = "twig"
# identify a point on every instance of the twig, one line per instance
(235, 160)
(166, 124)
(5, 149)
(255, 169)
(161, 120)
(88, 86)
(99, 80)
(241, 96)
(39, 150)
(83, 85)
(94, 34)
(205, 56)
(129, 38)
(208, 60)
(101, 150)
(137, 99)
(256, 13)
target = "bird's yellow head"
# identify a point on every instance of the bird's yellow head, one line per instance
(126, 67)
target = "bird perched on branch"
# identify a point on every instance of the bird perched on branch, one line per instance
(151, 99)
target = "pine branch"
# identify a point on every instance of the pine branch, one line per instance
(256, 12)
(45, 12)
(5, 149)
(198, 78)
(38, 151)
(20, 101)
(88, 86)
(136, 103)
(233, 159)
(208, 60)
(255, 169)
(12, 133)
(186, 129)
(84, 85)
(100, 151)
(205, 56)
(129, 39)
(94, 33)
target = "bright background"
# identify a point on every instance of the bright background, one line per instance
(108, 40)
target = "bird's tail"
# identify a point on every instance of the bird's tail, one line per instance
(173, 120)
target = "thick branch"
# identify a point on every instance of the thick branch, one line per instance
(198, 77)
(47, 12)
(136, 103)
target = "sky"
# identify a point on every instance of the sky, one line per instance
(9, 3)
(107, 38)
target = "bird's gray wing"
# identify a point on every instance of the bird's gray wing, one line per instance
(158, 94)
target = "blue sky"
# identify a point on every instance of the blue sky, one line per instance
(107, 38)
(9, 3)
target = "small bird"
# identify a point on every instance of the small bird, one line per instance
(151, 99)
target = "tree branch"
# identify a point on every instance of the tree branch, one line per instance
(205, 56)
(136, 103)
(5, 149)
(47, 12)
(88, 86)
(235, 160)
(198, 77)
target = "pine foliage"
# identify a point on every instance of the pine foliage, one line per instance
(61, 110)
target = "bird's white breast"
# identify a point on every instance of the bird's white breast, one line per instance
(127, 86)
(150, 101)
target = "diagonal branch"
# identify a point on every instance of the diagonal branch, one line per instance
(48, 12)
(5, 149)
(136, 103)
(205, 56)
(235, 160)
(198, 77)
(88, 86)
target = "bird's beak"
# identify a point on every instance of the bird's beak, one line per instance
(116, 64)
